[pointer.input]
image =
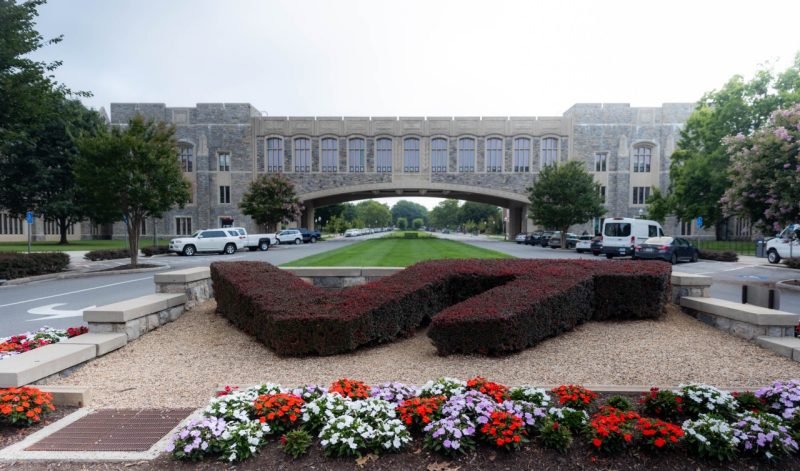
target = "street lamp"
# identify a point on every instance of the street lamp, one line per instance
(641, 213)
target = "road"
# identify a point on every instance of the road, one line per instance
(60, 303)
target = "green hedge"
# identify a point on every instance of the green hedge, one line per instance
(793, 262)
(149, 251)
(718, 255)
(112, 254)
(19, 265)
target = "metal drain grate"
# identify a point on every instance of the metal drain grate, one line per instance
(114, 430)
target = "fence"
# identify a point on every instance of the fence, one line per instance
(742, 247)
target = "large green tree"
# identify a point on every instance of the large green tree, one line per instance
(700, 164)
(445, 214)
(409, 210)
(478, 213)
(373, 213)
(564, 195)
(326, 213)
(130, 173)
(271, 200)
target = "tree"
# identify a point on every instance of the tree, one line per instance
(409, 210)
(417, 224)
(271, 200)
(765, 172)
(374, 214)
(478, 212)
(402, 223)
(564, 195)
(699, 168)
(130, 173)
(41, 179)
(658, 205)
(326, 213)
(445, 214)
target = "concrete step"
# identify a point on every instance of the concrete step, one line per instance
(103, 342)
(135, 308)
(784, 346)
(186, 275)
(749, 313)
(25, 368)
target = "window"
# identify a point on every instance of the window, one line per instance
(686, 228)
(330, 154)
(384, 155)
(302, 155)
(224, 160)
(641, 158)
(522, 154)
(411, 154)
(183, 226)
(600, 159)
(466, 154)
(274, 154)
(224, 195)
(617, 229)
(438, 155)
(652, 231)
(51, 228)
(355, 155)
(186, 156)
(549, 151)
(640, 194)
(601, 190)
(10, 224)
(494, 154)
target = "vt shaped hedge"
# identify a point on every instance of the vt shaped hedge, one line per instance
(488, 307)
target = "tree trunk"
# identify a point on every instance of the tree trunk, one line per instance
(564, 237)
(62, 229)
(134, 226)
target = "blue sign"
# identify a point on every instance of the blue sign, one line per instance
(125, 219)
(29, 217)
(699, 221)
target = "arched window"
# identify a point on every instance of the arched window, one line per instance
(411, 154)
(642, 155)
(186, 156)
(522, 154)
(466, 154)
(355, 154)
(549, 151)
(302, 155)
(438, 155)
(330, 154)
(274, 154)
(384, 155)
(494, 154)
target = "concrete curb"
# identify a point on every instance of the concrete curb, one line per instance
(86, 274)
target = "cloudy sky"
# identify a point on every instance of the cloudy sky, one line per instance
(410, 57)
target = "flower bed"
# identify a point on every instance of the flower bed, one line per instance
(452, 417)
(20, 343)
(474, 306)
(24, 406)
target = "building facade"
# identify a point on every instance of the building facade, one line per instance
(224, 146)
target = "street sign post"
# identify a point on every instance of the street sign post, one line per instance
(699, 221)
(29, 220)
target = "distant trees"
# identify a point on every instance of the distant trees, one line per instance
(469, 216)
(409, 210)
(417, 224)
(373, 214)
(271, 200)
(445, 215)
(402, 223)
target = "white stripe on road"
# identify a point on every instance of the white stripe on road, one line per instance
(78, 291)
(723, 271)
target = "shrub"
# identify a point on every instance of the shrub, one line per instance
(108, 254)
(574, 419)
(619, 402)
(150, 250)
(25, 405)
(296, 443)
(555, 436)
(663, 404)
(718, 255)
(19, 265)
(747, 401)
(280, 411)
(496, 391)
(763, 435)
(410, 235)
(704, 399)
(792, 262)
(505, 431)
(536, 396)
(350, 388)
(447, 387)
(574, 396)
(394, 393)
(710, 437)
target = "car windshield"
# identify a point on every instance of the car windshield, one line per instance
(195, 234)
(617, 229)
(659, 241)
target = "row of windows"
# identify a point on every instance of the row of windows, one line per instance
(356, 154)
(10, 224)
(642, 156)
(186, 153)
(51, 228)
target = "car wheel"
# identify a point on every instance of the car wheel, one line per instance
(189, 250)
(609, 256)
(263, 246)
(313, 240)
(298, 241)
(674, 259)
(694, 257)
(773, 257)
(230, 249)
(595, 253)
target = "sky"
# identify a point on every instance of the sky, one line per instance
(412, 57)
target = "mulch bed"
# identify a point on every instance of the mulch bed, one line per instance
(10, 434)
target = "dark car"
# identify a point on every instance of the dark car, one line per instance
(597, 245)
(669, 249)
(555, 240)
(309, 236)
(533, 238)
(544, 239)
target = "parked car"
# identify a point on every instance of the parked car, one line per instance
(533, 238)
(254, 241)
(597, 245)
(584, 244)
(555, 240)
(620, 235)
(290, 236)
(310, 236)
(669, 249)
(520, 238)
(352, 233)
(208, 240)
(543, 239)
(445, 231)
(785, 244)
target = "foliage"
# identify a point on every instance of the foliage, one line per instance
(663, 404)
(700, 164)
(109, 254)
(24, 406)
(19, 265)
(149, 251)
(574, 419)
(296, 443)
(574, 396)
(538, 397)
(373, 214)
(271, 200)
(763, 435)
(447, 387)
(445, 214)
(482, 215)
(710, 437)
(130, 173)
(705, 399)
(555, 436)
(765, 172)
(748, 401)
(401, 223)
(659, 205)
(417, 224)
(564, 195)
(620, 403)
(408, 210)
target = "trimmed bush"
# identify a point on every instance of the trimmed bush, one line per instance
(718, 255)
(110, 254)
(793, 262)
(19, 265)
(474, 306)
(150, 250)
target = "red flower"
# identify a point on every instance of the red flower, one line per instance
(597, 442)
(659, 442)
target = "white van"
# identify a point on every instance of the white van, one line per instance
(784, 245)
(620, 235)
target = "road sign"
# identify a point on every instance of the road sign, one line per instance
(125, 219)
(29, 217)
(699, 221)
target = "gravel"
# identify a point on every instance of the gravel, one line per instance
(184, 362)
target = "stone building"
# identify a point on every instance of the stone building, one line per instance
(224, 146)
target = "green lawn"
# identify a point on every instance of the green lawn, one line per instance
(74, 245)
(742, 247)
(394, 252)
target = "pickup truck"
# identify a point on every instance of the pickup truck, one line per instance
(784, 245)
(254, 241)
(310, 236)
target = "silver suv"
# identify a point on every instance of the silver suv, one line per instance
(290, 236)
(209, 240)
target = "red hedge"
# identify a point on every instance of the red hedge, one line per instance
(474, 306)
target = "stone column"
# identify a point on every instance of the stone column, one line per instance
(307, 216)
(686, 284)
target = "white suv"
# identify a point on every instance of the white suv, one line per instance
(209, 240)
(289, 236)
